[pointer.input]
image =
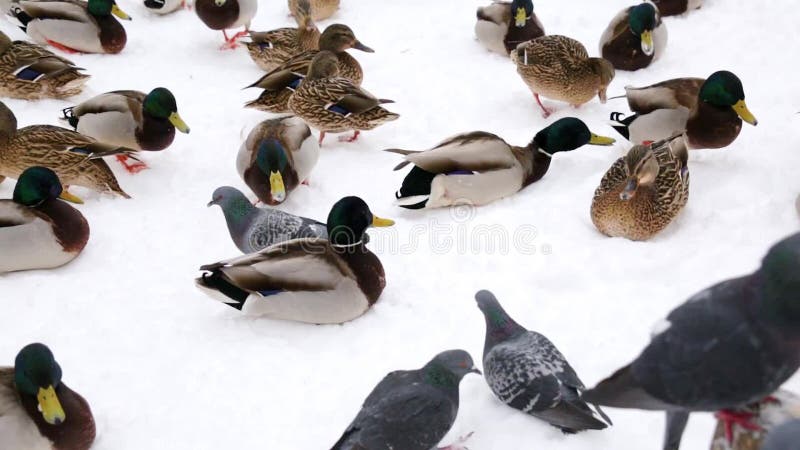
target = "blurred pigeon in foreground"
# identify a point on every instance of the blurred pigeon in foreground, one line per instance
(784, 437)
(410, 409)
(727, 347)
(253, 229)
(527, 372)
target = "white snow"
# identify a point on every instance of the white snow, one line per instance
(165, 367)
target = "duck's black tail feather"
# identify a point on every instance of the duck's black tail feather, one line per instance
(621, 123)
(416, 189)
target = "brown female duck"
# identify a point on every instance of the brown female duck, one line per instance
(270, 49)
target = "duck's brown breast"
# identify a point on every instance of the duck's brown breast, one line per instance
(69, 225)
(217, 17)
(712, 126)
(155, 134)
(112, 34)
(367, 268)
(625, 52)
(78, 430)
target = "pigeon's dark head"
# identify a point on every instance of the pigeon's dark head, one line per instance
(780, 270)
(448, 368)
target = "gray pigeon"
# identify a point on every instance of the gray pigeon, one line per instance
(730, 345)
(527, 372)
(783, 437)
(253, 229)
(410, 409)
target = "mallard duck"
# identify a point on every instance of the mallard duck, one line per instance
(253, 229)
(676, 7)
(163, 7)
(76, 159)
(73, 25)
(30, 72)
(37, 230)
(225, 15)
(280, 84)
(130, 119)
(634, 38)
(643, 191)
(38, 410)
(711, 111)
(478, 168)
(559, 67)
(320, 9)
(270, 49)
(276, 157)
(333, 104)
(308, 280)
(503, 25)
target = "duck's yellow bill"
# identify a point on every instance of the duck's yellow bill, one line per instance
(50, 407)
(741, 109)
(117, 11)
(67, 196)
(596, 139)
(177, 122)
(647, 43)
(379, 222)
(520, 18)
(276, 187)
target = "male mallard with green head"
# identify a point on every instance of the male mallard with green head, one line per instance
(635, 38)
(643, 191)
(280, 84)
(31, 72)
(37, 410)
(310, 280)
(73, 26)
(276, 157)
(75, 158)
(478, 168)
(503, 25)
(270, 49)
(710, 111)
(333, 104)
(130, 119)
(37, 230)
(559, 67)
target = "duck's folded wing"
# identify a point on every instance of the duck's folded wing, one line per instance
(618, 25)
(475, 152)
(117, 101)
(297, 265)
(56, 10)
(498, 12)
(14, 215)
(62, 139)
(670, 94)
(350, 99)
(278, 80)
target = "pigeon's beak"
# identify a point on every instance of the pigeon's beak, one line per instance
(475, 369)
(213, 201)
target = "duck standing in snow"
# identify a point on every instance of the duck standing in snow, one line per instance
(320, 9)
(270, 49)
(224, 15)
(677, 7)
(276, 157)
(333, 104)
(411, 409)
(75, 158)
(72, 26)
(37, 410)
(503, 25)
(280, 84)
(163, 7)
(635, 38)
(560, 68)
(729, 346)
(643, 192)
(254, 229)
(478, 168)
(31, 72)
(130, 119)
(710, 111)
(37, 230)
(527, 372)
(309, 280)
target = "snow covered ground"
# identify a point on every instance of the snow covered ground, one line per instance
(164, 367)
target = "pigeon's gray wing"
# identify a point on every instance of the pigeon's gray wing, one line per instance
(312, 228)
(523, 372)
(273, 226)
(715, 353)
(400, 415)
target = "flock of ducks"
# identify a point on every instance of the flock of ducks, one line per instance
(321, 272)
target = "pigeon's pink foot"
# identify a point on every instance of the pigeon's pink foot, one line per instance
(352, 138)
(457, 444)
(321, 137)
(136, 167)
(731, 418)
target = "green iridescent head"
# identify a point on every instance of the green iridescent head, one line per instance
(161, 104)
(567, 134)
(104, 8)
(724, 89)
(38, 375)
(349, 219)
(37, 185)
